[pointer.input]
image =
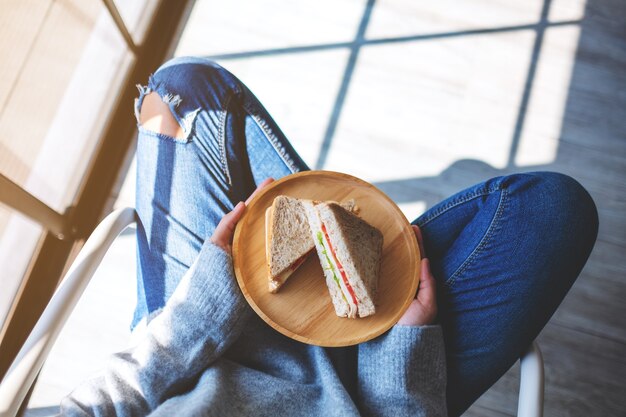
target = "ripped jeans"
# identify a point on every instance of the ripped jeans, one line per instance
(185, 186)
(504, 252)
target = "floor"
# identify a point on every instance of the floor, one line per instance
(424, 99)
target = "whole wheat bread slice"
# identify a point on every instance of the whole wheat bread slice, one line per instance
(288, 238)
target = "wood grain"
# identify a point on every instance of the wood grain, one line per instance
(574, 362)
(302, 308)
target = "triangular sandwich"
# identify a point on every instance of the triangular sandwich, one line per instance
(350, 251)
(288, 240)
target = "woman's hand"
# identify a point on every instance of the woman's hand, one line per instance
(223, 234)
(422, 310)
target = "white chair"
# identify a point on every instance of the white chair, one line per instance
(24, 369)
(530, 402)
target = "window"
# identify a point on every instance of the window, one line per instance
(69, 66)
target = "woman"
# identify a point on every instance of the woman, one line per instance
(503, 254)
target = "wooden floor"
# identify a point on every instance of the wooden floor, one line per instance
(426, 98)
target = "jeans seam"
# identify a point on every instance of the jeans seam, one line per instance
(271, 138)
(483, 242)
(221, 134)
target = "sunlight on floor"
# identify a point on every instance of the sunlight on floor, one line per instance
(542, 128)
(423, 88)
(415, 108)
(218, 27)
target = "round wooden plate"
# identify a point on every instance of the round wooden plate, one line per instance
(302, 309)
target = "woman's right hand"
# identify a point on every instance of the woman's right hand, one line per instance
(223, 234)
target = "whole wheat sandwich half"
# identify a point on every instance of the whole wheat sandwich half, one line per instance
(350, 251)
(288, 240)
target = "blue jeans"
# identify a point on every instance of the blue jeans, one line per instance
(504, 252)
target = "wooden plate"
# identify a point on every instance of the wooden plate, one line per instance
(302, 309)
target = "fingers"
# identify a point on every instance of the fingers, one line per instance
(420, 239)
(228, 222)
(426, 294)
(423, 309)
(259, 188)
(223, 234)
(427, 280)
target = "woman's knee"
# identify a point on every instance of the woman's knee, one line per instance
(194, 76)
(583, 212)
(155, 116)
(169, 104)
(560, 198)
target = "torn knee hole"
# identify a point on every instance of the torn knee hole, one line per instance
(156, 116)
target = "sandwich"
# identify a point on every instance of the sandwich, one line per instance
(288, 241)
(350, 251)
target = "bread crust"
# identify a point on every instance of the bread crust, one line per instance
(268, 237)
(287, 239)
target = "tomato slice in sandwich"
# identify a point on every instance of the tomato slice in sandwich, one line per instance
(343, 273)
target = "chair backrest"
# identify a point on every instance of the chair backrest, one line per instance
(30, 359)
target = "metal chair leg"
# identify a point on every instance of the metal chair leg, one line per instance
(530, 403)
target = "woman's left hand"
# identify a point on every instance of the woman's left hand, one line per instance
(223, 234)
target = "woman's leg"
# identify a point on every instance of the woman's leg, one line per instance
(225, 143)
(504, 253)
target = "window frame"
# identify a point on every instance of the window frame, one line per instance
(65, 233)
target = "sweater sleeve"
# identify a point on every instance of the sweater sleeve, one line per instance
(204, 315)
(403, 372)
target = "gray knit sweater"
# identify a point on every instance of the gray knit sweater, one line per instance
(208, 354)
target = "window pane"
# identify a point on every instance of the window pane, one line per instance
(63, 63)
(18, 240)
(65, 66)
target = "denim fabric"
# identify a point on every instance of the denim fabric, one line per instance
(185, 186)
(504, 252)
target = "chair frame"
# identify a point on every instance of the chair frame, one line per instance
(530, 402)
(24, 369)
